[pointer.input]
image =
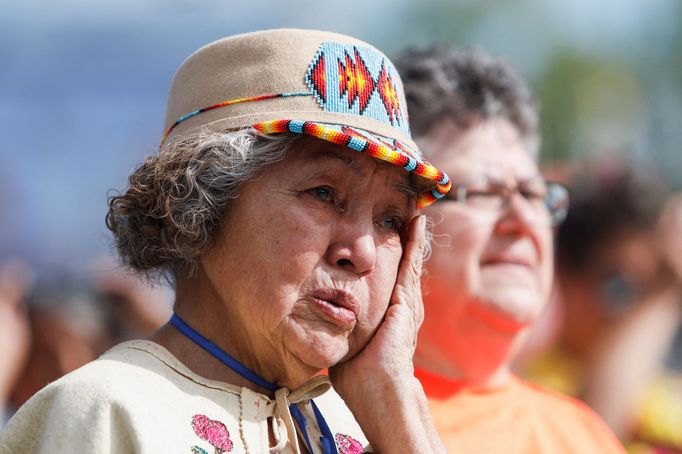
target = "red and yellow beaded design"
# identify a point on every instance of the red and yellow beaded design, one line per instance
(386, 149)
(356, 80)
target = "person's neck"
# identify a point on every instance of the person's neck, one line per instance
(202, 310)
(478, 358)
(200, 361)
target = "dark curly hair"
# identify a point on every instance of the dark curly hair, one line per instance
(607, 199)
(465, 85)
(174, 202)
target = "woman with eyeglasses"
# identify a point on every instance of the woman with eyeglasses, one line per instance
(490, 272)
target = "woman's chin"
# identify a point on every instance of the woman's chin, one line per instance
(322, 351)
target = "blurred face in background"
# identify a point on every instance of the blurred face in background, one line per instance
(620, 273)
(72, 322)
(491, 265)
(60, 343)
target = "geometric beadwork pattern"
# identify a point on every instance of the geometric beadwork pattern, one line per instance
(389, 95)
(357, 80)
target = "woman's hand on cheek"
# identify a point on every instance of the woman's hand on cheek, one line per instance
(378, 384)
(388, 355)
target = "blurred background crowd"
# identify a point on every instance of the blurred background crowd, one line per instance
(82, 90)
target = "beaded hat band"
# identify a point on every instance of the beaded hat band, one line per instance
(329, 86)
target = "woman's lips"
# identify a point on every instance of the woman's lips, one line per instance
(338, 306)
(514, 267)
(520, 260)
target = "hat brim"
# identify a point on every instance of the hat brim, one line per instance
(387, 149)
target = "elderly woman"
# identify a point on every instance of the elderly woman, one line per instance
(490, 273)
(282, 205)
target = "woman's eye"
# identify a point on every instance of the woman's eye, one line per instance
(533, 195)
(480, 193)
(324, 193)
(392, 223)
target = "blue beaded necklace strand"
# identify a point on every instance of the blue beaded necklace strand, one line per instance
(221, 355)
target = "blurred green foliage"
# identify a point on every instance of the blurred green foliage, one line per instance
(608, 75)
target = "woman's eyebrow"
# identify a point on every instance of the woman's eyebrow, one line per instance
(406, 188)
(343, 156)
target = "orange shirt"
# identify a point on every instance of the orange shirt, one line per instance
(520, 418)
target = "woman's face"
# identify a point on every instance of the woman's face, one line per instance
(308, 255)
(488, 267)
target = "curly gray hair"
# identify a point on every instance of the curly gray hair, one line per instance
(465, 85)
(175, 200)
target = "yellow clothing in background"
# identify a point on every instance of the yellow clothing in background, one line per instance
(658, 419)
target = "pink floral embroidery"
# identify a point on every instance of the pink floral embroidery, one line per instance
(212, 431)
(348, 444)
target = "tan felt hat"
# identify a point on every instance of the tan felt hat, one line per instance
(322, 84)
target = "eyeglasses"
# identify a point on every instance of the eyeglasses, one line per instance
(543, 196)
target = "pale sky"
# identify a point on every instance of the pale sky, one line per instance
(83, 84)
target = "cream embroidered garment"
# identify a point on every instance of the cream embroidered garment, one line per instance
(138, 398)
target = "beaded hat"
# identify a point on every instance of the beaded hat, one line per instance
(329, 86)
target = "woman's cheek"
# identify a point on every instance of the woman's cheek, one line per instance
(382, 284)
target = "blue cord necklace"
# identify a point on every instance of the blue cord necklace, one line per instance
(221, 355)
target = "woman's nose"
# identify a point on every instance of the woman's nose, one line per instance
(353, 247)
(518, 216)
